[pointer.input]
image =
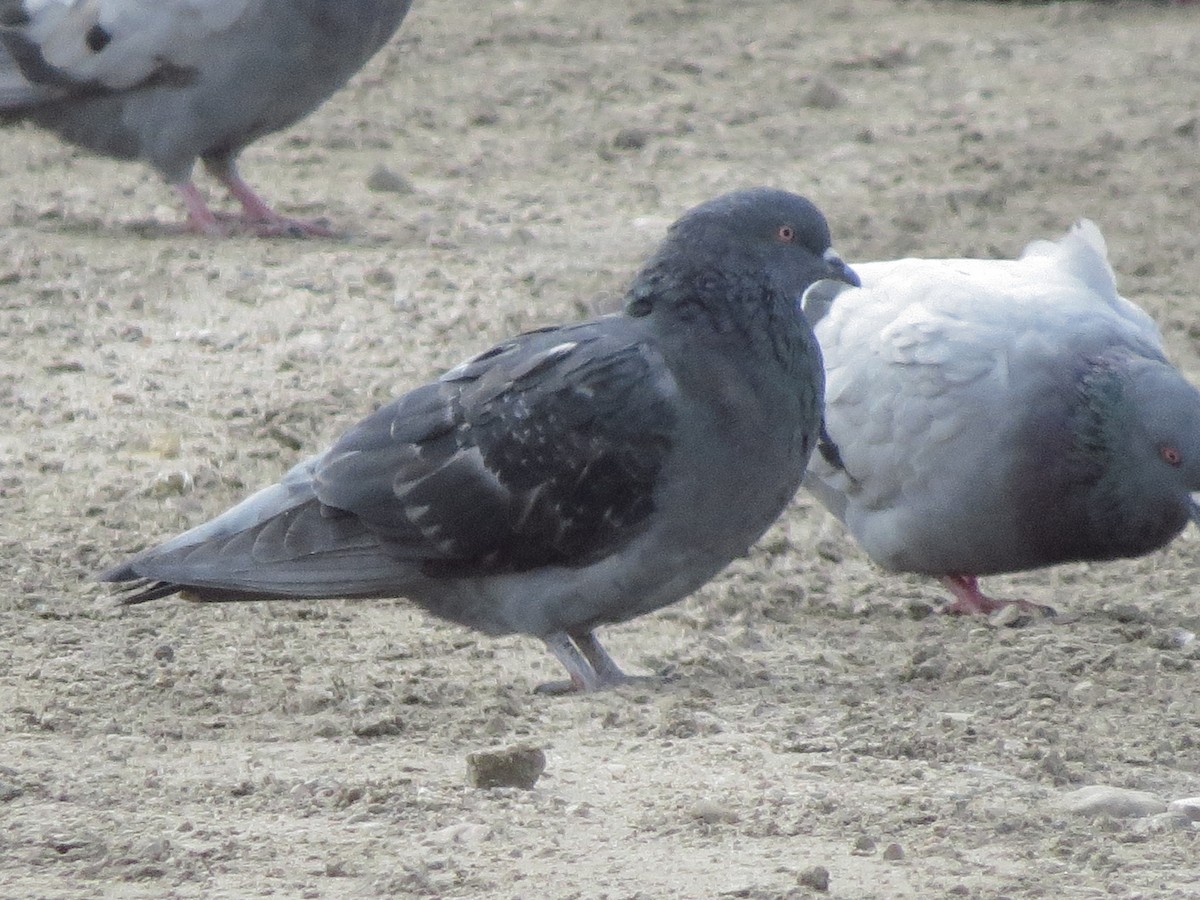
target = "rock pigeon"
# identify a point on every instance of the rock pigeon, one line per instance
(172, 81)
(570, 477)
(1002, 415)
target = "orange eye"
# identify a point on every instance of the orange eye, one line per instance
(787, 233)
(1170, 455)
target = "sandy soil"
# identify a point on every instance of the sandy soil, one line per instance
(819, 715)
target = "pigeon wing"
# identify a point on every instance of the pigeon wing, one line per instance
(64, 47)
(542, 451)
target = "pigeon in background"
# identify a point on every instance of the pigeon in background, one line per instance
(570, 477)
(998, 416)
(172, 81)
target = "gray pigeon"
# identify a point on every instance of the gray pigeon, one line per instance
(172, 81)
(572, 476)
(998, 416)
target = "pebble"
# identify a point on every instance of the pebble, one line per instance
(460, 833)
(169, 483)
(815, 877)
(893, 852)
(1162, 822)
(1100, 799)
(710, 812)
(1011, 616)
(155, 850)
(387, 181)
(519, 766)
(167, 444)
(164, 653)
(1187, 806)
(631, 139)
(822, 94)
(863, 846)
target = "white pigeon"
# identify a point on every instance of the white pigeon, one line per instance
(172, 81)
(1001, 415)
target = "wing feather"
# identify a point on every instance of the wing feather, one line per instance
(112, 45)
(542, 450)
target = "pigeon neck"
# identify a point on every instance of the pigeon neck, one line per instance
(708, 305)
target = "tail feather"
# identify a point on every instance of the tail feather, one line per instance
(297, 554)
(143, 590)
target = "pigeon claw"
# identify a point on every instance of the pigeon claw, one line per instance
(588, 664)
(970, 601)
(256, 217)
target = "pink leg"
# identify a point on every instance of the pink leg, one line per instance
(200, 219)
(258, 214)
(969, 600)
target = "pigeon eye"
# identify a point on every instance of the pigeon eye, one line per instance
(786, 233)
(1170, 455)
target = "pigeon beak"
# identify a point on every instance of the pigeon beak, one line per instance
(816, 301)
(839, 269)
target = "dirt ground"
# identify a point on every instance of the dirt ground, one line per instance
(535, 150)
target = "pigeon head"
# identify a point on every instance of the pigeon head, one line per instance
(1165, 434)
(1141, 424)
(736, 245)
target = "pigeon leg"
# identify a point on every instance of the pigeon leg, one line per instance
(583, 676)
(256, 212)
(608, 673)
(200, 219)
(969, 600)
(591, 668)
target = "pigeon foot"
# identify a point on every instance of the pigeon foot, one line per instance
(589, 665)
(969, 600)
(256, 217)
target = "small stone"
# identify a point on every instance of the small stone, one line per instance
(830, 550)
(863, 846)
(815, 877)
(9, 791)
(243, 788)
(166, 484)
(464, 833)
(167, 444)
(519, 766)
(822, 94)
(1011, 615)
(57, 368)
(710, 812)
(893, 852)
(336, 868)
(631, 139)
(155, 850)
(1101, 799)
(380, 277)
(164, 653)
(1161, 823)
(1187, 806)
(919, 609)
(387, 726)
(1127, 614)
(386, 181)
(1056, 767)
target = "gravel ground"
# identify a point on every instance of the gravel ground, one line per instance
(501, 166)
